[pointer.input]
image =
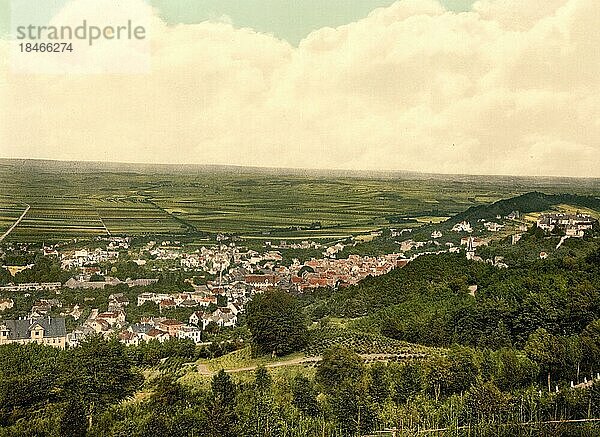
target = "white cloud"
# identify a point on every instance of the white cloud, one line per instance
(516, 14)
(410, 87)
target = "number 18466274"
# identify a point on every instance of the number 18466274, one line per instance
(50, 47)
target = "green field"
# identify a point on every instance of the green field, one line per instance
(74, 200)
(9, 212)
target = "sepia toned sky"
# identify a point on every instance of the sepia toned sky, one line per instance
(483, 87)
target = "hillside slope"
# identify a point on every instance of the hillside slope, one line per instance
(525, 203)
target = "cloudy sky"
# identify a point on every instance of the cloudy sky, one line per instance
(482, 87)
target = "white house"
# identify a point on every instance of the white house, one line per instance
(223, 317)
(462, 227)
(6, 304)
(192, 332)
(196, 318)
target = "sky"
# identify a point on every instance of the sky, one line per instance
(291, 20)
(478, 87)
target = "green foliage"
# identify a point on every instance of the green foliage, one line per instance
(98, 373)
(558, 357)
(151, 352)
(73, 420)
(513, 369)
(427, 301)
(71, 386)
(590, 343)
(407, 380)
(45, 269)
(485, 401)
(223, 389)
(379, 383)
(338, 364)
(351, 410)
(453, 373)
(305, 395)
(356, 339)
(167, 394)
(257, 417)
(28, 378)
(276, 322)
(220, 409)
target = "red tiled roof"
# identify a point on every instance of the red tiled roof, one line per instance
(171, 322)
(155, 332)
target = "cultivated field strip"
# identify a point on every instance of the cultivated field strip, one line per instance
(70, 200)
(9, 214)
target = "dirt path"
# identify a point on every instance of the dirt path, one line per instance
(15, 224)
(204, 370)
(294, 362)
(104, 225)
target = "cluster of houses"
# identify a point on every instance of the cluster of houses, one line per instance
(573, 225)
(304, 244)
(493, 226)
(238, 284)
(84, 257)
(472, 243)
(341, 272)
(394, 233)
(463, 226)
(162, 328)
(219, 259)
(85, 282)
(175, 300)
(157, 328)
(238, 274)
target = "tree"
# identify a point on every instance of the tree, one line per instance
(590, 343)
(276, 323)
(484, 400)
(258, 418)
(379, 386)
(513, 369)
(406, 383)
(28, 375)
(168, 394)
(221, 300)
(453, 373)
(338, 365)
(305, 396)
(223, 388)
(73, 421)
(262, 381)
(547, 350)
(220, 408)
(98, 373)
(350, 408)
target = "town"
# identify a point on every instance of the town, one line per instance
(216, 282)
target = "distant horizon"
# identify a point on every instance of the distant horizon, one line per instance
(338, 171)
